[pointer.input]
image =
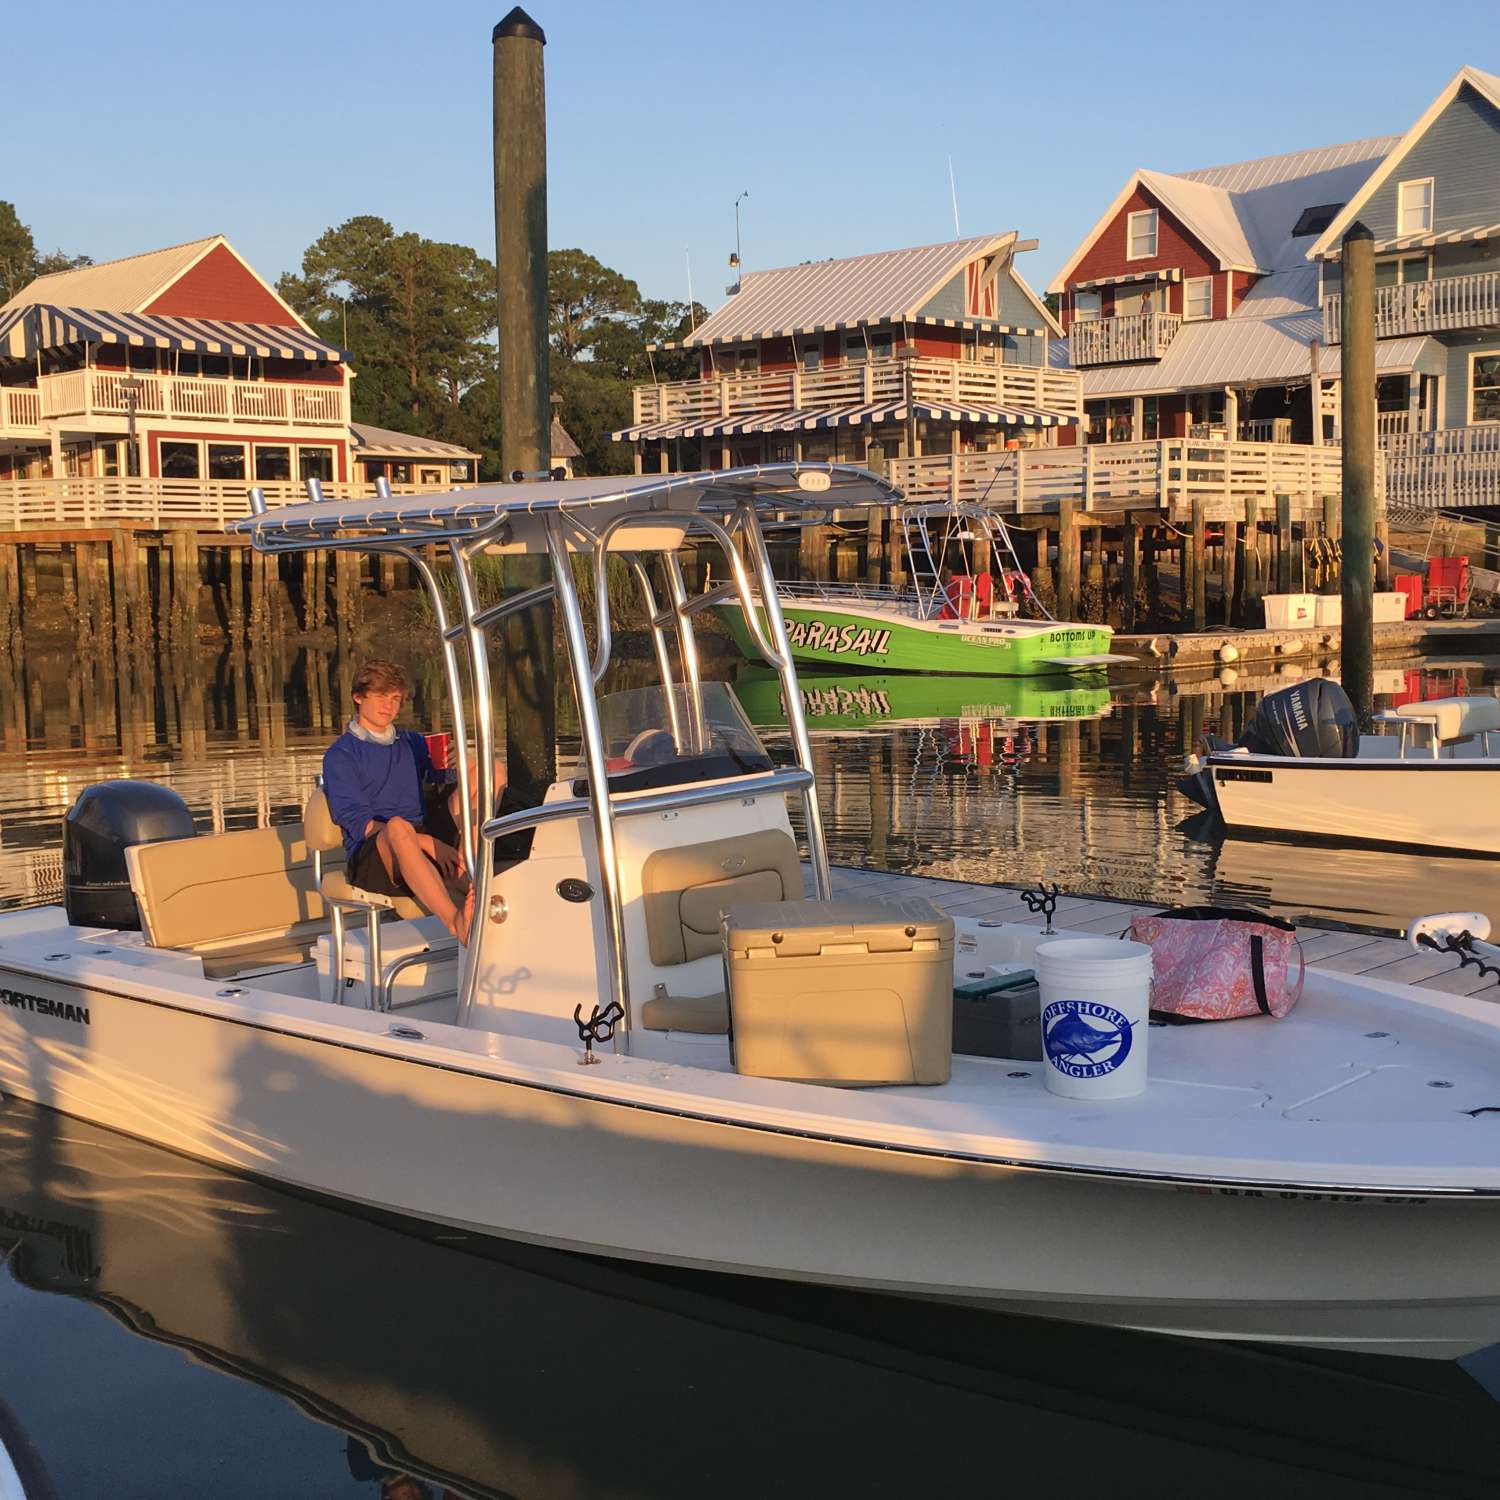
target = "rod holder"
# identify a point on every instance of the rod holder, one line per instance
(314, 490)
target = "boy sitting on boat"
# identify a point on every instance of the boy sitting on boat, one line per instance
(398, 813)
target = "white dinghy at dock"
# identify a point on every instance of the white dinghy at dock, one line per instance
(1330, 1180)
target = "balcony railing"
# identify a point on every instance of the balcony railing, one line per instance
(103, 393)
(1111, 341)
(20, 411)
(1453, 468)
(950, 381)
(29, 503)
(1168, 475)
(1425, 306)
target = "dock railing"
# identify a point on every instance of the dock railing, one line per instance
(1166, 475)
(83, 503)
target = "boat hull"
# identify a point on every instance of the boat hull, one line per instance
(848, 634)
(458, 1145)
(1435, 804)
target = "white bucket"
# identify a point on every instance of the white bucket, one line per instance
(1096, 1003)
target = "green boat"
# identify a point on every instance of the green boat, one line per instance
(952, 620)
(858, 700)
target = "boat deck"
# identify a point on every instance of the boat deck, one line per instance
(1334, 950)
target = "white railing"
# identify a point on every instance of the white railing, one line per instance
(1167, 475)
(88, 393)
(1457, 468)
(1108, 341)
(1483, 437)
(1436, 306)
(31, 503)
(20, 410)
(941, 380)
(1266, 430)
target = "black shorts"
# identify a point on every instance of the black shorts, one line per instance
(367, 870)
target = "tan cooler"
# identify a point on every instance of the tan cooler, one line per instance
(853, 993)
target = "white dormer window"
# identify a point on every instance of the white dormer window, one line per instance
(1140, 235)
(1198, 297)
(1414, 206)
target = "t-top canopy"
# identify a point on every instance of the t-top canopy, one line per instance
(774, 488)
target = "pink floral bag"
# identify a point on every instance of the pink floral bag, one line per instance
(1214, 963)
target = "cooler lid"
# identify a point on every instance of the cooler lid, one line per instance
(798, 929)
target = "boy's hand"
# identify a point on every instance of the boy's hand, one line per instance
(447, 859)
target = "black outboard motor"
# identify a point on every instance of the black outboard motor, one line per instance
(101, 825)
(1311, 720)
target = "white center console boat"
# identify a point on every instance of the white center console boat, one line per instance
(1331, 1179)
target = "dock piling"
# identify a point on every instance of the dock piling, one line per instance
(1357, 650)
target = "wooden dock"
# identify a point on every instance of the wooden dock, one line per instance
(1336, 950)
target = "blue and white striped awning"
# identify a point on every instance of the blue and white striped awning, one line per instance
(868, 413)
(24, 330)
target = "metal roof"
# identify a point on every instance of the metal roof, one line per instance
(1209, 212)
(772, 487)
(886, 286)
(383, 442)
(117, 285)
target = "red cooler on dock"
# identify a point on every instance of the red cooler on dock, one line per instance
(1409, 584)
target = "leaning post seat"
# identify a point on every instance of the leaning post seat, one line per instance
(325, 836)
(1455, 718)
(684, 893)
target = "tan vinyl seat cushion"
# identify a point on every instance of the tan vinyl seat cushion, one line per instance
(1457, 718)
(708, 1015)
(685, 890)
(211, 891)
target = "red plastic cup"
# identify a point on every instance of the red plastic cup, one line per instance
(440, 748)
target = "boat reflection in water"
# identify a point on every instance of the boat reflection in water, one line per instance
(853, 700)
(484, 1369)
(1375, 888)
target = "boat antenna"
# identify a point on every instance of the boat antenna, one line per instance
(692, 306)
(737, 260)
(953, 193)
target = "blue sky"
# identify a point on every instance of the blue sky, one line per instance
(134, 126)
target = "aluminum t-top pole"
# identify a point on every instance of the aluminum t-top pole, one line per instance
(484, 743)
(765, 579)
(591, 732)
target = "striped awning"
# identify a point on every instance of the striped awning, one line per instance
(1475, 234)
(868, 413)
(1170, 273)
(42, 326)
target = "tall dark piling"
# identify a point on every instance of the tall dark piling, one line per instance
(520, 122)
(1357, 650)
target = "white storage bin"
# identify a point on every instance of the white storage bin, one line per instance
(1389, 608)
(1330, 610)
(1283, 611)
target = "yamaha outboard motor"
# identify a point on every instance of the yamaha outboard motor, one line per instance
(101, 825)
(1311, 720)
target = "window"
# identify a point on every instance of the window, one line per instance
(1315, 220)
(317, 463)
(429, 476)
(1198, 297)
(216, 366)
(882, 345)
(1094, 417)
(1414, 206)
(1085, 307)
(179, 461)
(187, 364)
(1150, 419)
(854, 348)
(226, 461)
(142, 359)
(272, 463)
(459, 472)
(400, 472)
(812, 356)
(1140, 235)
(1484, 385)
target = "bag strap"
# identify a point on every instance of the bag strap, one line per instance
(1226, 914)
(1258, 972)
(1301, 971)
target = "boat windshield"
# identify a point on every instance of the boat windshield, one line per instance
(653, 737)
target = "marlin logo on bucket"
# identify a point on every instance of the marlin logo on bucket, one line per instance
(1085, 1039)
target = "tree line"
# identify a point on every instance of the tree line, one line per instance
(418, 319)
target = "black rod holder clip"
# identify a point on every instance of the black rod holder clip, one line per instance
(1043, 899)
(600, 1027)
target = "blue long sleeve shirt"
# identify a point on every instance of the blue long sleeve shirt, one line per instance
(364, 781)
